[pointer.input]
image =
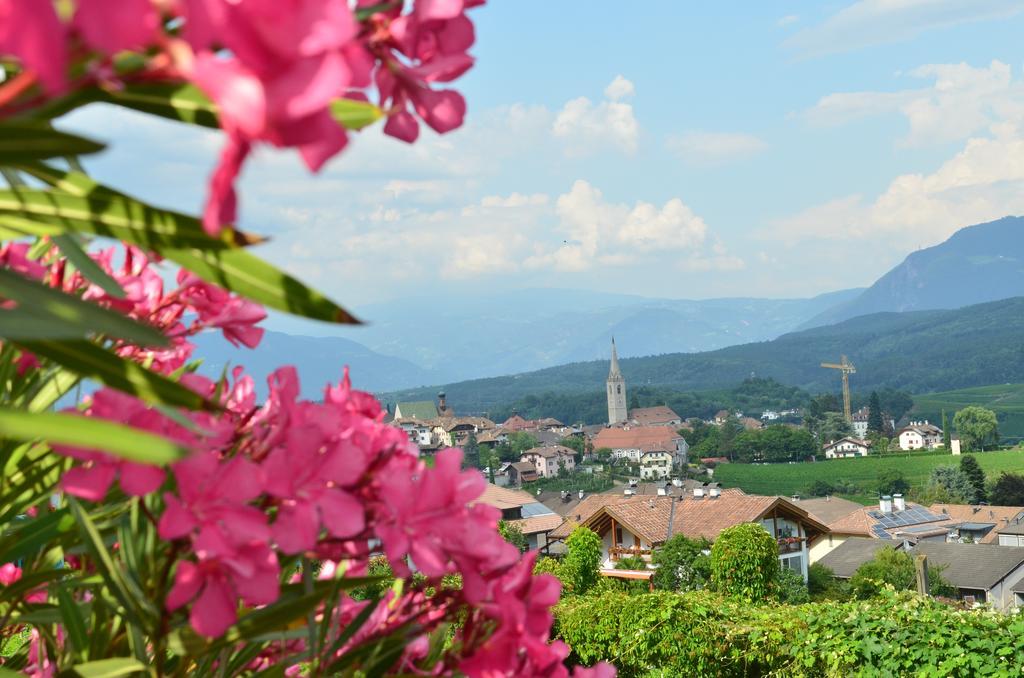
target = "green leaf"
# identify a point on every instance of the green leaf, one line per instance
(355, 115)
(34, 534)
(83, 205)
(89, 433)
(81, 317)
(106, 668)
(73, 623)
(90, 360)
(184, 103)
(85, 264)
(21, 141)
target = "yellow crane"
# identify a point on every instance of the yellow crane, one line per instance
(847, 368)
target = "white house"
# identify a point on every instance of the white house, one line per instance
(549, 460)
(655, 465)
(419, 432)
(860, 422)
(920, 435)
(847, 447)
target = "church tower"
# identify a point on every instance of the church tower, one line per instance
(617, 413)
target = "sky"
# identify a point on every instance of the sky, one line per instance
(668, 149)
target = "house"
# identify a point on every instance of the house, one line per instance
(454, 431)
(662, 415)
(521, 472)
(920, 435)
(635, 527)
(548, 461)
(847, 447)
(982, 573)
(751, 424)
(491, 438)
(721, 417)
(979, 524)
(630, 442)
(424, 410)
(524, 511)
(655, 464)
(860, 422)
(828, 509)
(421, 433)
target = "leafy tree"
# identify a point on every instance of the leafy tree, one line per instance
(976, 476)
(896, 403)
(821, 405)
(895, 568)
(634, 403)
(579, 570)
(948, 484)
(745, 562)
(822, 583)
(513, 534)
(947, 434)
(892, 481)
(790, 587)
(833, 426)
(577, 444)
(471, 451)
(1008, 490)
(518, 442)
(978, 428)
(682, 564)
(876, 423)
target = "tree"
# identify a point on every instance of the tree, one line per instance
(471, 451)
(977, 427)
(580, 568)
(948, 484)
(513, 534)
(683, 564)
(892, 481)
(975, 476)
(634, 402)
(819, 488)
(1008, 490)
(745, 562)
(833, 426)
(896, 568)
(822, 583)
(947, 434)
(876, 423)
(577, 444)
(790, 588)
(518, 442)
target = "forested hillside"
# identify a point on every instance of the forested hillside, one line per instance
(919, 351)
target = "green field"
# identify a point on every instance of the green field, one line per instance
(1006, 400)
(790, 479)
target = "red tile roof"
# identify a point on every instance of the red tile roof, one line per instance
(652, 416)
(636, 437)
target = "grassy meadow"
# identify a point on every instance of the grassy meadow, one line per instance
(790, 479)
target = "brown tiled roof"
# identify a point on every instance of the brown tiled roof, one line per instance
(829, 509)
(550, 451)
(750, 423)
(535, 524)
(860, 522)
(631, 437)
(966, 513)
(504, 497)
(651, 416)
(850, 439)
(584, 509)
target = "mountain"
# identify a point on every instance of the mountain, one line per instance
(976, 264)
(919, 351)
(469, 336)
(319, 360)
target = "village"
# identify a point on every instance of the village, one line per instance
(654, 490)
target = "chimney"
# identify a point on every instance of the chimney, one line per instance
(885, 504)
(661, 491)
(714, 492)
(677, 482)
(581, 494)
(795, 497)
(698, 493)
(898, 504)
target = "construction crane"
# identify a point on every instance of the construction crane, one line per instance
(847, 368)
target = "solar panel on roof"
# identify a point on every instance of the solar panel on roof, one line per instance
(880, 532)
(535, 509)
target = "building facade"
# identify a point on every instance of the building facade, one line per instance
(617, 411)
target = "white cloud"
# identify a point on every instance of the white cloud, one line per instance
(873, 22)
(983, 182)
(585, 126)
(787, 20)
(961, 101)
(713, 148)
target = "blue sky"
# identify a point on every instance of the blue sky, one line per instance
(669, 149)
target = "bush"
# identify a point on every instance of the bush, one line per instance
(790, 587)
(631, 563)
(513, 534)
(745, 562)
(683, 564)
(823, 585)
(819, 488)
(892, 481)
(896, 569)
(579, 569)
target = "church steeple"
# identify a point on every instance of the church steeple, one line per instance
(617, 412)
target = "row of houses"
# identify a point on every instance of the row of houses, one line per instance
(979, 548)
(917, 435)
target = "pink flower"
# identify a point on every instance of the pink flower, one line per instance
(14, 255)
(235, 316)
(39, 664)
(113, 27)
(220, 578)
(9, 573)
(31, 31)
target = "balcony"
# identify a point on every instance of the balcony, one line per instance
(790, 544)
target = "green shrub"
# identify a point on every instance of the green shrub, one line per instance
(682, 564)
(896, 569)
(631, 563)
(745, 562)
(579, 570)
(513, 534)
(790, 587)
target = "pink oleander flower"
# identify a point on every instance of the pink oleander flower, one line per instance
(235, 316)
(31, 31)
(97, 471)
(39, 664)
(9, 573)
(223, 575)
(14, 255)
(112, 27)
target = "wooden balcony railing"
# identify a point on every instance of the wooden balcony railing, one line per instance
(790, 544)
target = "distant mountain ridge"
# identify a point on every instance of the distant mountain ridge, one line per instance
(976, 264)
(919, 351)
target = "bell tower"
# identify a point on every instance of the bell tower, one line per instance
(617, 413)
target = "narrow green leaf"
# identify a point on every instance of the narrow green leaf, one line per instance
(184, 103)
(73, 624)
(86, 318)
(107, 668)
(85, 264)
(90, 360)
(355, 115)
(90, 433)
(27, 539)
(56, 387)
(134, 603)
(21, 141)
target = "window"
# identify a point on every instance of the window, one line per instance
(618, 389)
(794, 563)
